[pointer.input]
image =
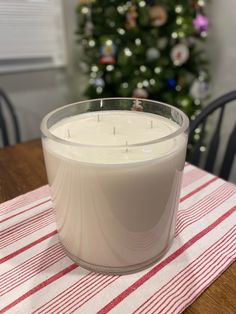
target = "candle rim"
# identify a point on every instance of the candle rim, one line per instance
(48, 134)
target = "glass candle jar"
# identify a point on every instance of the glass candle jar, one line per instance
(115, 167)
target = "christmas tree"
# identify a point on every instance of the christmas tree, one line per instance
(146, 49)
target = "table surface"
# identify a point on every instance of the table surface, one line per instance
(22, 169)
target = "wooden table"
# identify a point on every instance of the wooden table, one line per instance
(22, 170)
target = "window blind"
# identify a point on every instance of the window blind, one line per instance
(31, 35)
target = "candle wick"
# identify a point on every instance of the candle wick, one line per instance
(151, 122)
(68, 133)
(98, 118)
(126, 144)
(114, 130)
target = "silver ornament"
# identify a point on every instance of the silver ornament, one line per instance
(199, 89)
(99, 82)
(152, 54)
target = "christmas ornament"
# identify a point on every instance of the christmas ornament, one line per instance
(140, 93)
(158, 15)
(99, 82)
(171, 83)
(179, 54)
(201, 23)
(152, 54)
(199, 89)
(107, 52)
(131, 17)
(137, 106)
(162, 42)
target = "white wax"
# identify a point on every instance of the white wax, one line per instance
(115, 128)
(115, 207)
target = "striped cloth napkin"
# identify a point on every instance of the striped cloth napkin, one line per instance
(37, 277)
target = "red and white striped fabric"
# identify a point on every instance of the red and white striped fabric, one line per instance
(37, 277)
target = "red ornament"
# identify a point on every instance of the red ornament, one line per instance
(107, 54)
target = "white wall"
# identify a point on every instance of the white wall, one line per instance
(222, 54)
(222, 45)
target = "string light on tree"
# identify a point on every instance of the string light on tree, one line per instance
(124, 85)
(145, 83)
(143, 68)
(110, 67)
(142, 4)
(138, 42)
(152, 81)
(91, 43)
(94, 68)
(179, 9)
(93, 74)
(179, 20)
(127, 52)
(120, 31)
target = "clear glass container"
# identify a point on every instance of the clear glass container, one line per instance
(115, 167)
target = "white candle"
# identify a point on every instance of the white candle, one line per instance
(115, 199)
